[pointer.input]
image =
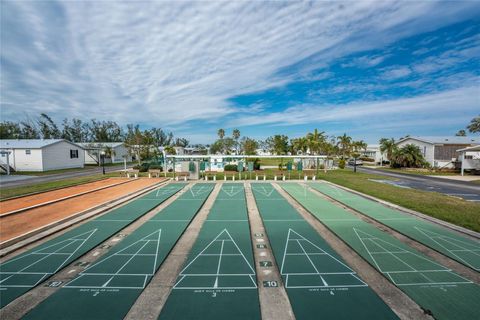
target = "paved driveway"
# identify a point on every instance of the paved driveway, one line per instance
(462, 189)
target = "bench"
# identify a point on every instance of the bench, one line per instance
(154, 173)
(181, 176)
(260, 174)
(212, 173)
(129, 173)
(225, 175)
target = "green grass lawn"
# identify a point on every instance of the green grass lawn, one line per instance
(51, 185)
(420, 172)
(49, 172)
(450, 209)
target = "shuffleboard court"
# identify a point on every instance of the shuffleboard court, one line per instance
(451, 244)
(19, 274)
(318, 282)
(218, 279)
(434, 287)
(107, 289)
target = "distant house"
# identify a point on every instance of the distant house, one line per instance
(470, 158)
(441, 152)
(373, 151)
(41, 154)
(93, 150)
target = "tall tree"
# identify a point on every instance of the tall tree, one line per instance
(221, 133)
(10, 130)
(236, 136)
(474, 125)
(29, 130)
(316, 141)
(299, 145)
(345, 144)
(461, 133)
(134, 141)
(277, 144)
(249, 146)
(388, 146)
(48, 127)
(181, 142)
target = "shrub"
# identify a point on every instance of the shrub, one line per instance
(256, 164)
(230, 167)
(367, 159)
(155, 166)
(341, 163)
(141, 168)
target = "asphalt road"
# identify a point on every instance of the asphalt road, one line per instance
(462, 189)
(58, 176)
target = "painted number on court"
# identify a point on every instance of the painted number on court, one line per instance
(261, 246)
(258, 235)
(265, 264)
(270, 284)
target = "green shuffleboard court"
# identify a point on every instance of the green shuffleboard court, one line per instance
(20, 274)
(319, 283)
(218, 280)
(108, 288)
(450, 243)
(434, 287)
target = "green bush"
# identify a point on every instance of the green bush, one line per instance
(341, 163)
(367, 159)
(256, 164)
(230, 167)
(143, 167)
(155, 166)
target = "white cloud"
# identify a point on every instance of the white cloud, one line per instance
(466, 99)
(396, 72)
(167, 63)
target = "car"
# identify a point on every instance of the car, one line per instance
(352, 162)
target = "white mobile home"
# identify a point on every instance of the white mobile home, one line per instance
(41, 154)
(470, 158)
(441, 152)
(116, 152)
(373, 151)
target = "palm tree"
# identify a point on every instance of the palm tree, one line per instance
(236, 136)
(388, 146)
(409, 156)
(359, 145)
(316, 141)
(474, 125)
(345, 144)
(221, 133)
(299, 145)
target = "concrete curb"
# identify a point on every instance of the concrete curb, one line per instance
(60, 199)
(16, 243)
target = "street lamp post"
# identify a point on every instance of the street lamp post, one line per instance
(102, 157)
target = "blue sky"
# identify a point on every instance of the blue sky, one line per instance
(371, 69)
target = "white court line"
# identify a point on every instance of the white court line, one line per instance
(264, 191)
(451, 242)
(183, 273)
(317, 272)
(232, 192)
(376, 241)
(47, 255)
(118, 271)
